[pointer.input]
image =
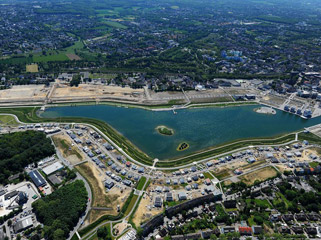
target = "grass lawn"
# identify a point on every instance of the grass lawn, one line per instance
(281, 198)
(222, 174)
(251, 221)
(313, 164)
(208, 175)
(231, 209)
(115, 24)
(131, 205)
(141, 183)
(259, 203)
(49, 58)
(172, 203)
(7, 120)
(310, 137)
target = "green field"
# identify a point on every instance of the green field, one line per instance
(51, 58)
(131, 205)
(115, 24)
(7, 120)
(208, 175)
(314, 164)
(141, 183)
(259, 203)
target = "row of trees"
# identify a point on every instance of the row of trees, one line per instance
(61, 210)
(18, 150)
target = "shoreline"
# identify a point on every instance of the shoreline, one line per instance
(30, 115)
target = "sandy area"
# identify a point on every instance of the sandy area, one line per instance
(118, 197)
(101, 198)
(227, 170)
(274, 100)
(95, 179)
(73, 56)
(96, 91)
(69, 155)
(146, 210)
(259, 175)
(95, 215)
(305, 155)
(283, 168)
(120, 227)
(265, 110)
(24, 92)
(32, 68)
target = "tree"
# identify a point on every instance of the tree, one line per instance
(61, 210)
(59, 235)
(75, 80)
(9, 222)
(102, 232)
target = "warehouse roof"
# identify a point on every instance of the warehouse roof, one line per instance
(52, 168)
(36, 177)
(23, 224)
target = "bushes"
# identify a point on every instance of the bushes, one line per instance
(104, 233)
(61, 210)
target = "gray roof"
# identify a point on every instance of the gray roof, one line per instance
(23, 224)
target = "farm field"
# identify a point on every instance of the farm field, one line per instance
(33, 68)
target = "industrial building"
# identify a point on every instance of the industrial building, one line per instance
(37, 179)
(23, 224)
(53, 168)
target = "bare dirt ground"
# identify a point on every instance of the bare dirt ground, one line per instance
(306, 153)
(259, 175)
(32, 68)
(227, 170)
(282, 168)
(72, 56)
(120, 227)
(273, 100)
(24, 92)
(71, 153)
(97, 91)
(146, 210)
(228, 182)
(94, 215)
(101, 198)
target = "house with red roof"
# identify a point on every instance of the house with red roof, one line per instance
(245, 231)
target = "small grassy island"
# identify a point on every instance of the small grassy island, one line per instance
(165, 130)
(182, 146)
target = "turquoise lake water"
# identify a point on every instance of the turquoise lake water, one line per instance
(200, 128)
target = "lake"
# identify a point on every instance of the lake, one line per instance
(199, 127)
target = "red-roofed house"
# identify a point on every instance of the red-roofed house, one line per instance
(245, 230)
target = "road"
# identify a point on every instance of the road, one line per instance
(90, 196)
